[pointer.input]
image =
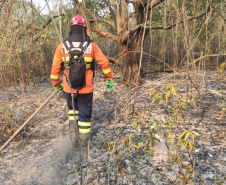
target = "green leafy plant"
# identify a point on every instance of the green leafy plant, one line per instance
(220, 182)
(223, 111)
(184, 142)
(178, 105)
(220, 69)
(146, 141)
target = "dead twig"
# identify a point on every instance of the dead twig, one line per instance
(218, 11)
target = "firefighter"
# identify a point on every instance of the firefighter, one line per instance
(84, 98)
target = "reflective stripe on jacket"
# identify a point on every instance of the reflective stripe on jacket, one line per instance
(92, 52)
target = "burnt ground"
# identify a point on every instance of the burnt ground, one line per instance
(42, 153)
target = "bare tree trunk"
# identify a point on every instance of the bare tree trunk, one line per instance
(135, 79)
(125, 62)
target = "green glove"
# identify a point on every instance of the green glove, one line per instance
(59, 86)
(109, 84)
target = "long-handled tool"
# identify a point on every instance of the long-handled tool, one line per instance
(72, 94)
(26, 122)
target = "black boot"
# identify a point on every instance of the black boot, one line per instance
(84, 139)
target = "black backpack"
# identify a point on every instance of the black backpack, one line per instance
(77, 64)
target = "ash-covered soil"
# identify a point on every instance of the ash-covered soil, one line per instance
(42, 153)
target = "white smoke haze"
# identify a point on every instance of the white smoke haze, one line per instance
(37, 166)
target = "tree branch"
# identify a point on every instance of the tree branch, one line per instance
(114, 60)
(49, 21)
(46, 24)
(42, 27)
(111, 10)
(105, 21)
(154, 3)
(113, 4)
(129, 33)
(218, 11)
(105, 34)
(3, 1)
(206, 56)
(189, 19)
(115, 9)
(94, 17)
(124, 10)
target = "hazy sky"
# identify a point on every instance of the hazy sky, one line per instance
(43, 6)
(52, 4)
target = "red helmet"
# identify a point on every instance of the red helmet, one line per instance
(78, 20)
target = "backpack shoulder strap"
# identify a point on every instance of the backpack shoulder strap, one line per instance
(68, 45)
(86, 46)
(81, 46)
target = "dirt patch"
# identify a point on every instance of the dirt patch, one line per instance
(44, 154)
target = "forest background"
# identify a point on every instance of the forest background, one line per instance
(168, 57)
(176, 32)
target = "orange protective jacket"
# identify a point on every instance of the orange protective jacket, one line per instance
(92, 53)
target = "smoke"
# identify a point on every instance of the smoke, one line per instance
(55, 171)
(54, 175)
(64, 148)
(49, 162)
